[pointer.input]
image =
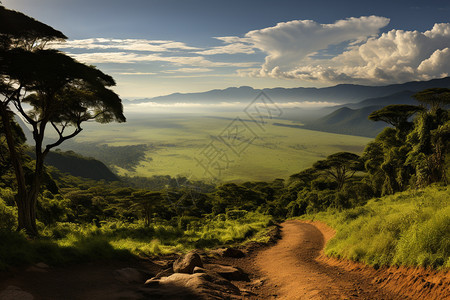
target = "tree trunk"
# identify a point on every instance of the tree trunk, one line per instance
(26, 206)
(27, 215)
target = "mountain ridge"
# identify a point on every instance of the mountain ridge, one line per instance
(341, 93)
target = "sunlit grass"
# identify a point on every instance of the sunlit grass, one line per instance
(410, 228)
(68, 242)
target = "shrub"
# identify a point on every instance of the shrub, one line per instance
(8, 216)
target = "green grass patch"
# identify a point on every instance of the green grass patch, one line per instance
(411, 228)
(65, 243)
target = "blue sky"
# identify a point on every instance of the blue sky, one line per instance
(157, 47)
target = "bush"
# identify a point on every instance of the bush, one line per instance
(8, 216)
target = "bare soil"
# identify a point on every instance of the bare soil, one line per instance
(296, 268)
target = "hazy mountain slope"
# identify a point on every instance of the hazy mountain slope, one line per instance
(351, 118)
(349, 121)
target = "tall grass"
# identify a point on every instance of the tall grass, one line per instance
(411, 228)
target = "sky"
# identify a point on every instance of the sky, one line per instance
(158, 47)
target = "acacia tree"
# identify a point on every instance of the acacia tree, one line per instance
(48, 89)
(397, 115)
(435, 98)
(144, 203)
(340, 167)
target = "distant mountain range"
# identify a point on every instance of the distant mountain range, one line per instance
(342, 93)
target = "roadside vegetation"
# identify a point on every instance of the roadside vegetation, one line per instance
(410, 228)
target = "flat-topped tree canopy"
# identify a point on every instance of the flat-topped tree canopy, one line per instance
(396, 114)
(434, 97)
(19, 30)
(60, 86)
(340, 166)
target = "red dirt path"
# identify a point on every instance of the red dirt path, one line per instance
(295, 268)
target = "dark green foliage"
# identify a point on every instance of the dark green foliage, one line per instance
(412, 153)
(8, 216)
(339, 167)
(235, 196)
(435, 98)
(396, 115)
(53, 208)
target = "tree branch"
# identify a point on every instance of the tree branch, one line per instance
(18, 105)
(100, 113)
(62, 139)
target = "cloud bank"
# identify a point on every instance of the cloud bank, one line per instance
(149, 107)
(293, 51)
(352, 50)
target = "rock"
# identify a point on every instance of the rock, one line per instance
(228, 272)
(247, 293)
(164, 273)
(39, 267)
(199, 270)
(197, 286)
(129, 275)
(201, 283)
(15, 293)
(165, 264)
(187, 263)
(155, 280)
(229, 252)
(152, 282)
(233, 252)
(42, 265)
(257, 283)
(36, 269)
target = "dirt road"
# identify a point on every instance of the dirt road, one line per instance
(295, 269)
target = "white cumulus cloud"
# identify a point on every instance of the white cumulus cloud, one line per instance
(291, 42)
(366, 57)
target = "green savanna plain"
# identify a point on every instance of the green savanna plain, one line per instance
(180, 144)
